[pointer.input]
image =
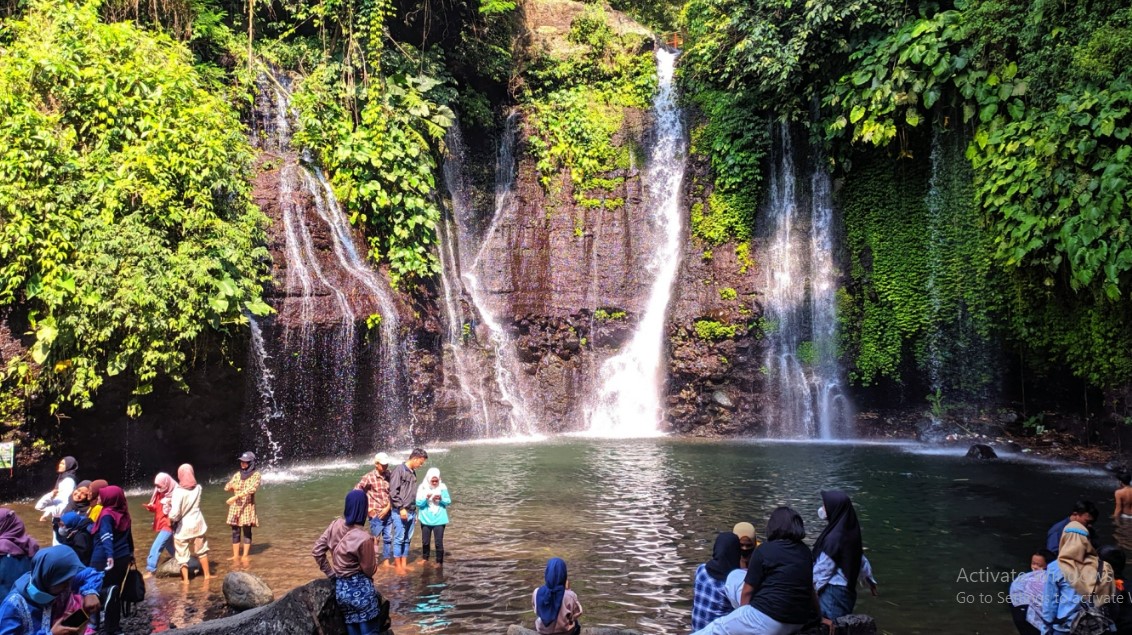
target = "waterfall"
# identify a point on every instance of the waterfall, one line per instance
(934, 204)
(457, 235)
(266, 404)
(308, 382)
(800, 317)
(505, 362)
(628, 402)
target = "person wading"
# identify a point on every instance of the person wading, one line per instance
(241, 505)
(189, 528)
(403, 495)
(375, 484)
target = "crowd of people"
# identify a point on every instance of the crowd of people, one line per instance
(1075, 585)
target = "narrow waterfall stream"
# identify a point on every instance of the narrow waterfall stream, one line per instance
(307, 360)
(801, 304)
(456, 235)
(505, 363)
(628, 402)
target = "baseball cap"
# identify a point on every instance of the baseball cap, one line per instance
(247, 457)
(381, 458)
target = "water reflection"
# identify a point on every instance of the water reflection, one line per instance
(633, 518)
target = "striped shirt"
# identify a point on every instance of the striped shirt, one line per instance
(377, 491)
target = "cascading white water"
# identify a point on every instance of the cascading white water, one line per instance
(628, 401)
(457, 227)
(833, 411)
(310, 386)
(268, 406)
(506, 363)
(801, 305)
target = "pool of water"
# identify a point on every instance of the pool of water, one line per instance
(633, 519)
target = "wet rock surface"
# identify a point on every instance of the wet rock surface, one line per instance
(243, 591)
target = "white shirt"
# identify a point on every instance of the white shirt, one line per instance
(827, 572)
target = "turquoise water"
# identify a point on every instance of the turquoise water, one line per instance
(633, 519)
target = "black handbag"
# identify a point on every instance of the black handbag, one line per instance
(132, 590)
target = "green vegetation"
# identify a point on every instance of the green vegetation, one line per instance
(1030, 105)
(711, 330)
(576, 98)
(609, 315)
(727, 293)
(126, 224)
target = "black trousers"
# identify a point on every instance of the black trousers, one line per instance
(426, 538)
(112, 595)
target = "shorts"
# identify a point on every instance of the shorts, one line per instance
(197, 546)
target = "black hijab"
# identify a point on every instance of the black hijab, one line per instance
(724, 556)
(841, 538)
(70, 467)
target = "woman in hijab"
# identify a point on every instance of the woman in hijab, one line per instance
(839, 558)
(1077, 575)
(46, 594)
(95, 508)
(432, 509)
(352, 563)
(54, 503)
(188, 524)
(709, 598)
(75, 532)
(557, 607)
(241, 505)
(159, 502)
(17, 549)
(113, 550)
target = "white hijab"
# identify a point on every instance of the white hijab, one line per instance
(427, 491)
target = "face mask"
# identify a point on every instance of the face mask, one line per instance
(41, 598)
(821, 512)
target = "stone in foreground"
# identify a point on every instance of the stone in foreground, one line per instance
(243, 591)
(981, 451)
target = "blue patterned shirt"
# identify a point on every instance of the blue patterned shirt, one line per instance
(709, 600)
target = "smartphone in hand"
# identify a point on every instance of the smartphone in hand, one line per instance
(76, 619)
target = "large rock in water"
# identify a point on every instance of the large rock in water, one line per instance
(170, 568)
(981, 451)
(308, 610)
(243, 591)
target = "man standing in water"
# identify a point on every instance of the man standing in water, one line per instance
(376, 486)
(1123, 496)
(403, 497)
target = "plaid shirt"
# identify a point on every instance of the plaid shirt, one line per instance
(709, 600)
(377, 491)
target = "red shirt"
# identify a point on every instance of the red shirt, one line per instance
(160, 519)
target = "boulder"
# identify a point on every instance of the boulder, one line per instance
(243, 591)
(170, 568)
(981, 451)
(517, 629)
(722, 399)
(308, 610)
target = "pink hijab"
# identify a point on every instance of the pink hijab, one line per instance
(163, 485)
(186, 477)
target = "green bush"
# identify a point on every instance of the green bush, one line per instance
(711, 330)
(126, 224)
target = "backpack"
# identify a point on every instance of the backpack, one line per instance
(1091, 620)
(79, 539)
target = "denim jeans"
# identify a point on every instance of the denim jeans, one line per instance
(383, 529)
(163, 540)
(403, 533)
(836, 600)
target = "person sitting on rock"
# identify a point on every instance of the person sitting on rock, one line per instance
(351, 564)
(747, 542)
(839, 557)
(709, 600)
(557, 607)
